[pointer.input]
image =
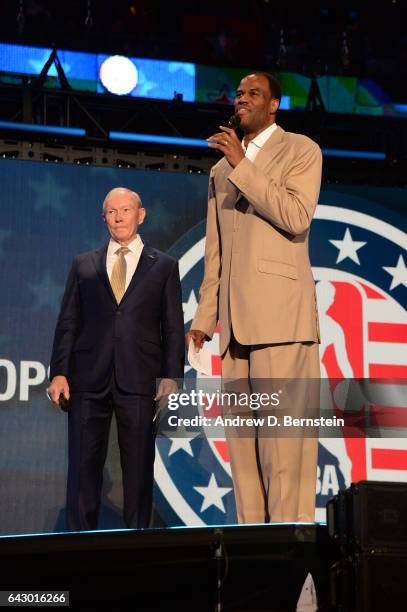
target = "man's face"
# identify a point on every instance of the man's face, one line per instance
(123, 214)
(255, 104)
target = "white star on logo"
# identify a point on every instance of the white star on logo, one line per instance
(50, 194)
(212, 495)
(398, 272)
(47, 293)
(190, 307)
(182, 441)
(348, 247)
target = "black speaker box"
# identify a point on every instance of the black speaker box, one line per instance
(369, 582)
(370, 516)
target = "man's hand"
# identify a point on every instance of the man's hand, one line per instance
(198, 337)
(165, 388)
(228, 143)
(59, 384)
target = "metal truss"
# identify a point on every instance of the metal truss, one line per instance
(99, 114)
(97, 156)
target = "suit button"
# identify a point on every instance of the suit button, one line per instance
(118, 313)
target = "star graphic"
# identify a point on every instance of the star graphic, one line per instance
(213, 494)
(224, 95)
(182, 441)
(144, 86)
(159, 211)
(50, 194)
(47, 293)
(190, 307)
(398, 272)
(348, 247)
(96, 242)
(224, 98)
(185, 66)
(4, 234)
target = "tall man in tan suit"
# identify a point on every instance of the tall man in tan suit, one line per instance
(258, 283)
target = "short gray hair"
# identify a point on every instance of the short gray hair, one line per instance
(112, 191)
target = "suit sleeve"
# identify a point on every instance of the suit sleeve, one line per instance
(206, 316)
(291, 204)
(67, 326)
(172, 327)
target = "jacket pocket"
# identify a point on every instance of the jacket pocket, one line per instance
(268, 266)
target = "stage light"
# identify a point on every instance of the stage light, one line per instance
(119, 75)
(44, 129)
(353, 154)
(156, 139)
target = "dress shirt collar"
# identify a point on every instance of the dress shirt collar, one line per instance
(135, 246)
(261, 138)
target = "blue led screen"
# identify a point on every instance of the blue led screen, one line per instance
(157, 79)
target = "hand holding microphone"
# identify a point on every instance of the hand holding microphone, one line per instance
(58, 393)
(227, 142)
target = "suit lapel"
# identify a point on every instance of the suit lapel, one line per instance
(269, 150)
(99, 260)
(148, 258)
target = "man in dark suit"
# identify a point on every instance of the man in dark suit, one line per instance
(120, 329)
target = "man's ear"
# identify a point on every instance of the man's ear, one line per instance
(274, 104)
(142, 215)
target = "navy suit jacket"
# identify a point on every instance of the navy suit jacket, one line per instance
(142, 338)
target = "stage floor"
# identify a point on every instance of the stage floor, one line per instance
(237, 567)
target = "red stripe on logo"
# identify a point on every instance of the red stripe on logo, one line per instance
(389, 459)
(387, 332)
(372, 294)
(222, 448)
(382, 370)
(216, 365)
(212, 412)
(388, 416)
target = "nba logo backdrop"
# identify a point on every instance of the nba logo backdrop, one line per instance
(358, 262)
(51, 212)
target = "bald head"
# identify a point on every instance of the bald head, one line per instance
(120, 191)
(123, 213)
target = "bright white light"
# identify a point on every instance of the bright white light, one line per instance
(119, 75)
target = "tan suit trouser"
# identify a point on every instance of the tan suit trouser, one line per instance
(274, 476)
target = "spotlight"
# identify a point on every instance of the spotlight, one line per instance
(119, 75)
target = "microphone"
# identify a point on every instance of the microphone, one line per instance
(64, 404)
(234, 122)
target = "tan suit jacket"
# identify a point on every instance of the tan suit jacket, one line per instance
(257, 271)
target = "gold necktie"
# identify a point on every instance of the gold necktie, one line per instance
(118, 278)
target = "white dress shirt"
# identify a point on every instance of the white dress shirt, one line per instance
(256, 144)
(132, 258)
